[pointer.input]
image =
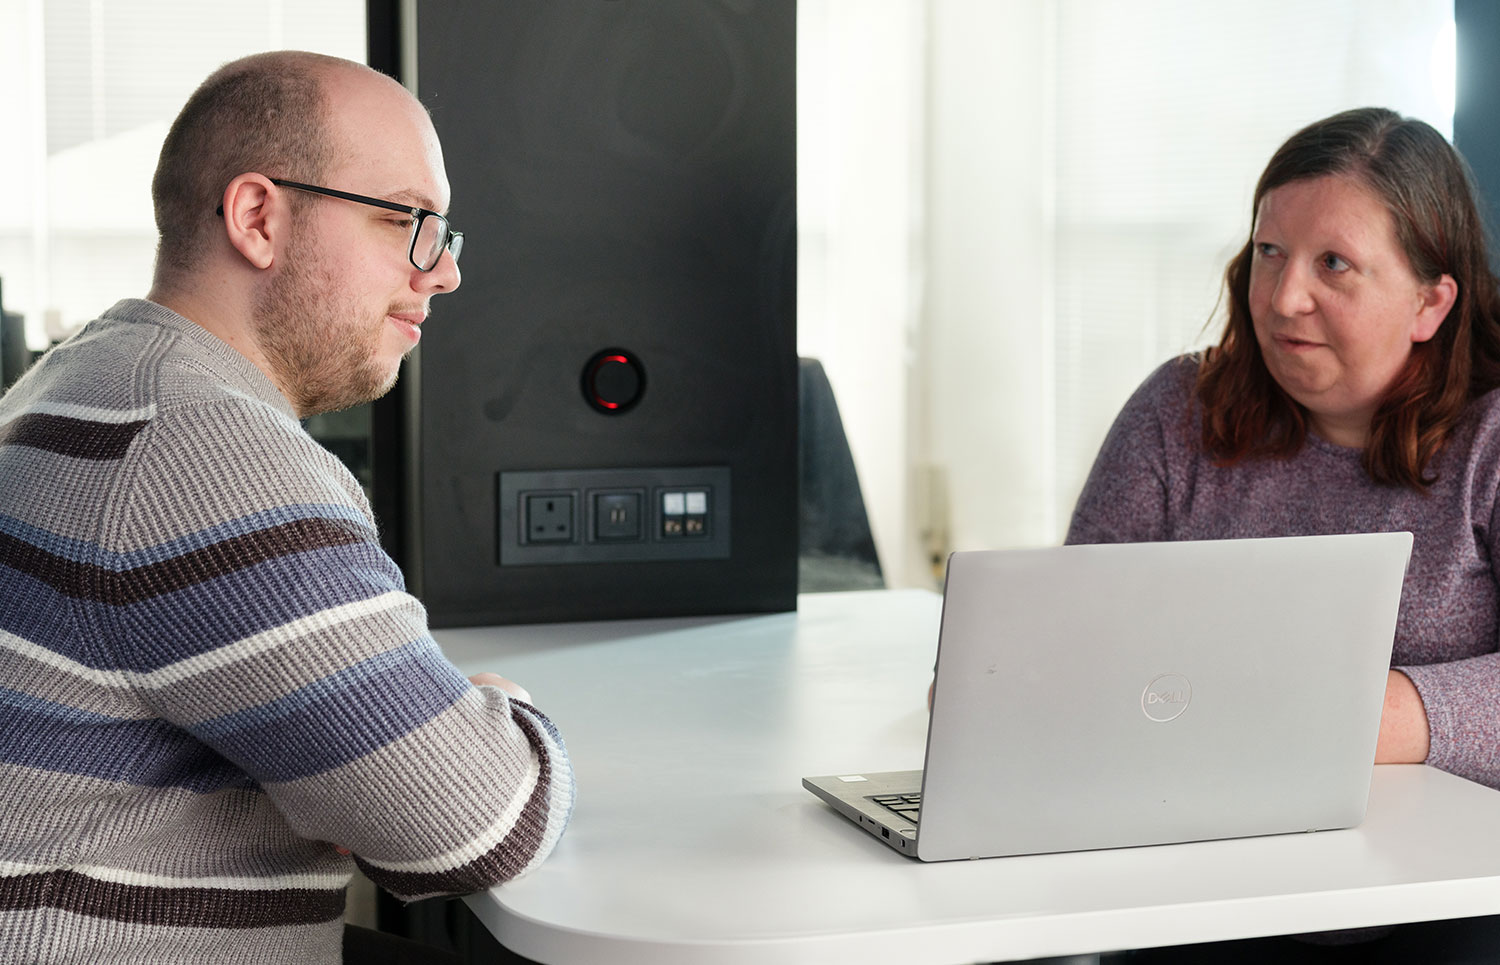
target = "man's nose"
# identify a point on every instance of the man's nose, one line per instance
(444, 276)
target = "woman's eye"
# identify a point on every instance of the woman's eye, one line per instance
(1264, 249)
(1333, 262)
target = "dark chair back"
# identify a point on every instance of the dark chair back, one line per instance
(835, 547)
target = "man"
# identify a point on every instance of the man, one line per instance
(215, 696)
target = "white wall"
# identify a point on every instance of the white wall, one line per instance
(859, 104)
(23, 155)
(988, 318)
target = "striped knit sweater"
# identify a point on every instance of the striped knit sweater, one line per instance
(211, 676)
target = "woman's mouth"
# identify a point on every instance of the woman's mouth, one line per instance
(1293, 344)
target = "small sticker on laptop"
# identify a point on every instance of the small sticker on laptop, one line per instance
(853, 778)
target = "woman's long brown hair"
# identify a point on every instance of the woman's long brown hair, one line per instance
(1425, 185)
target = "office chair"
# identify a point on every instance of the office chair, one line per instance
(836, 550)
(15, 357)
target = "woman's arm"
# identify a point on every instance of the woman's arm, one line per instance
(1404, 734)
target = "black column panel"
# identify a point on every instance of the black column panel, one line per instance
(1474, 130)
(624, 172)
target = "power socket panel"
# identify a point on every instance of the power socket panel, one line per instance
(613, 515)
(549, 518)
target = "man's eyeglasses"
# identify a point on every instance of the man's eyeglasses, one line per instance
(430, 233)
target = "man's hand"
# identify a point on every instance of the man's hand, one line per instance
(495, 680)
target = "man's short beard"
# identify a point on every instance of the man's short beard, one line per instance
(323, 354)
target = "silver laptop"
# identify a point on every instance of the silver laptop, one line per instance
(1133, 694)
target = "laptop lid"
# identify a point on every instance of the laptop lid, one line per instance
(1130, 694)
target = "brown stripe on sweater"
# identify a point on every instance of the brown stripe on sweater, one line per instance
(171, 907)
(526, 837)
(501, 863)
(80, 438)
(90, 582)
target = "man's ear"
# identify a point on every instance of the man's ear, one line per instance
(1437, 301)
(251, 222)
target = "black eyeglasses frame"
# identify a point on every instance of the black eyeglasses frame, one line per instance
(453, 241)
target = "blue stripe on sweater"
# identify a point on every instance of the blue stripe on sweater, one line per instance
(62, 714)
(340, 718)
(148, 753)
(32, 610)
(203, 617)
(81, 551)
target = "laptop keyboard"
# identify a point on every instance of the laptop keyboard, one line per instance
(906, 805)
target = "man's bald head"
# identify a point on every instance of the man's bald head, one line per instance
(266, 113)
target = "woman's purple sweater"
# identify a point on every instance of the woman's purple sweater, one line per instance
(1152, 481)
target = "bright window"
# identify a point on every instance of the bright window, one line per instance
(88, 89)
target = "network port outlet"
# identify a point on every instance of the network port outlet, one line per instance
(613, 515)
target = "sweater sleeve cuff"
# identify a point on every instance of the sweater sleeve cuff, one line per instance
(1463, 726)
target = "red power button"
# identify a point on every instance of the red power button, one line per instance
(613, 381)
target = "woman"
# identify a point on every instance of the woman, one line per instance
(1352, 391)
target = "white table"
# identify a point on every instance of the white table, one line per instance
(694, 843)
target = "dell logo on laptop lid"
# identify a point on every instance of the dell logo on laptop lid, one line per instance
(1166, 697)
